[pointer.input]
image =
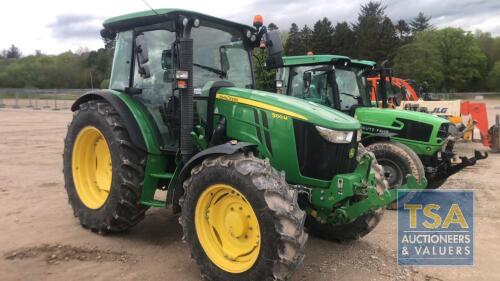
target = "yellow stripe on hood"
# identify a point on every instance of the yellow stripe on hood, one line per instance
(260, 105)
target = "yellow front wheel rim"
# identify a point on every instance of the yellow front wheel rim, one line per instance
(227, 228)
(91, 167)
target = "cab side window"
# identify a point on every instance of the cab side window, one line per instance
(120, 74)
(156, 87)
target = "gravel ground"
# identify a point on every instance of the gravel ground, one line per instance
(41, 240)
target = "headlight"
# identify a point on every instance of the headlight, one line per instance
(335, 136)
(359, 134)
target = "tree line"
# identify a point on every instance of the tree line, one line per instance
(82, 69)
(448, 59)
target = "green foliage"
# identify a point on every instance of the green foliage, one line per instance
(322, 34)
(420, 23)
(306, 38)
(344, 40)
(375, 33)
(420, 63)
(373, 36)
(490, 47)
(494, 78)
(264, 78)
(293, 45)
(403, 31)
(13, 52)
(66, 70)
(449, 59)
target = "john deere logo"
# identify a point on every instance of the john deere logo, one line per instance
(352, 151)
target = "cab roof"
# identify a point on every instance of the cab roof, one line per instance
(363, 63)
(148, 17)
(314, 59)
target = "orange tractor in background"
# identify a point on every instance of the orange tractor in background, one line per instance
(466, 114)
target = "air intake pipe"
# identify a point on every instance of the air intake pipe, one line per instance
(185, 44)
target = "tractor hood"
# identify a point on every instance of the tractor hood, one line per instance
(289, 106)
(386, 117)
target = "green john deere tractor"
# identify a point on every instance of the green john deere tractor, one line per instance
(241, 166)
(404, 142)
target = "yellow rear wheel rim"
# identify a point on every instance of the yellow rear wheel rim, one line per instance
(227, 228)
(91, 167)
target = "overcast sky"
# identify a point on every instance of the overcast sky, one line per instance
(55, 26)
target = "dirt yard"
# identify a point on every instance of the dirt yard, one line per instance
(41, 240)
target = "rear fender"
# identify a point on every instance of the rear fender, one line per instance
(142, 131)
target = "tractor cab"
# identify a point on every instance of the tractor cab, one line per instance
(330, 80)
(339, 82)
(149, 63)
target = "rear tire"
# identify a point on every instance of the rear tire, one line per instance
(120, 209)
(361, 225)
(398, 160)
(274, 213)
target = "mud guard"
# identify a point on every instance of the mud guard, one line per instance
(126, 115)
(376, 137)
(222, 149)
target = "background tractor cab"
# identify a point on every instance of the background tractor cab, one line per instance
(181, 116)
(342, 83)
(325, 79)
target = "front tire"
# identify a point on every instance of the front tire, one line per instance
(103, 170)
(398, 161)
(241, 220)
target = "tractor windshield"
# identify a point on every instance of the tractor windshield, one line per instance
(348, 88)
(352, 86)
(220, 54)
(311, 83)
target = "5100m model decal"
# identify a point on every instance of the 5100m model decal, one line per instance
(412, 130)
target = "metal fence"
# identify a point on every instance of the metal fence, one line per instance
(61, 99)
(37, 99)
(466, 95)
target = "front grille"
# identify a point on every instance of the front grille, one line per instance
(415, 130)
(319, 158)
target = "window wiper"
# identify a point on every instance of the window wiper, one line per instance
(219, 72)
(357, 98)
(350, 95)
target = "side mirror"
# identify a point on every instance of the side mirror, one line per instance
(274, 49)
(167, 64)
(307, 78)
(142, 55)
(166, 60)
